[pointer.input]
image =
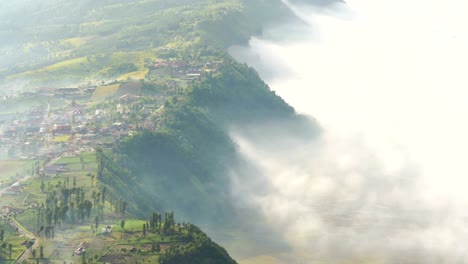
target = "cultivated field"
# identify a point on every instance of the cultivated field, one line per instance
(103, 92)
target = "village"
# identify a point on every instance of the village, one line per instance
(77, 119)
(49, 135)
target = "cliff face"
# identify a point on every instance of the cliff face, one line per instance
(183, 166)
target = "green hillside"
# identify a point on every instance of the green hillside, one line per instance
(158, 95)
(183, 165)
(96, 38)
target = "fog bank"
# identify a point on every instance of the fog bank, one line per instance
(385, 181)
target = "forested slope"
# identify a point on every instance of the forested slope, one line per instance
(183, 164)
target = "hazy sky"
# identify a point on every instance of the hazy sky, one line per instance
(387, 82)
(393, 71)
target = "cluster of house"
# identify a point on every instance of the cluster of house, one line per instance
(30, 134)
(107, 230)
(33, 134)
(185, 70)
(66, 92)
(9, 211)
(81, 248)
(53, 169)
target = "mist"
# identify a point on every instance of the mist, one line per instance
(384, 181)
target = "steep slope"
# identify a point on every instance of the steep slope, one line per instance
(183, 165)
(201, 250)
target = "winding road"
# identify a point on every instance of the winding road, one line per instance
(24, 232)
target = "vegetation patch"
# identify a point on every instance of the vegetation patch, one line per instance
(105, 92)
(61, 138)
(136, 75)
(11, 169)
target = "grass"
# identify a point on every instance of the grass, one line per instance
(11, 238)
(131, 225)
(136, 75)
(9, 168)
(68, 160)
(103, 92)
(74, 163)
(87, 157)
(75, 166)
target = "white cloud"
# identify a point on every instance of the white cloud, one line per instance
(386, 80)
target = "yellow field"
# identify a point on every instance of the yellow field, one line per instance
(90, 67)
(103, 92)
(75, 42)
(137, 75)
(63, 138)
(68, 64)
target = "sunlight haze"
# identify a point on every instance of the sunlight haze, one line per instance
(385, 80)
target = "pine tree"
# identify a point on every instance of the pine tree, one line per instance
(10, 247)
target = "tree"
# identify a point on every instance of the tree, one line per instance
(93, 196)
(144, 230)
(4, 246)
(103, 196)
(96, 220)
(158, 247)
(124, 206)
(33, 253)
(154, 220)
(2, 233)
(122, 225)
(63, 212)
(41, 252)
(41, 229)
(10, 247)
(42, 186)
